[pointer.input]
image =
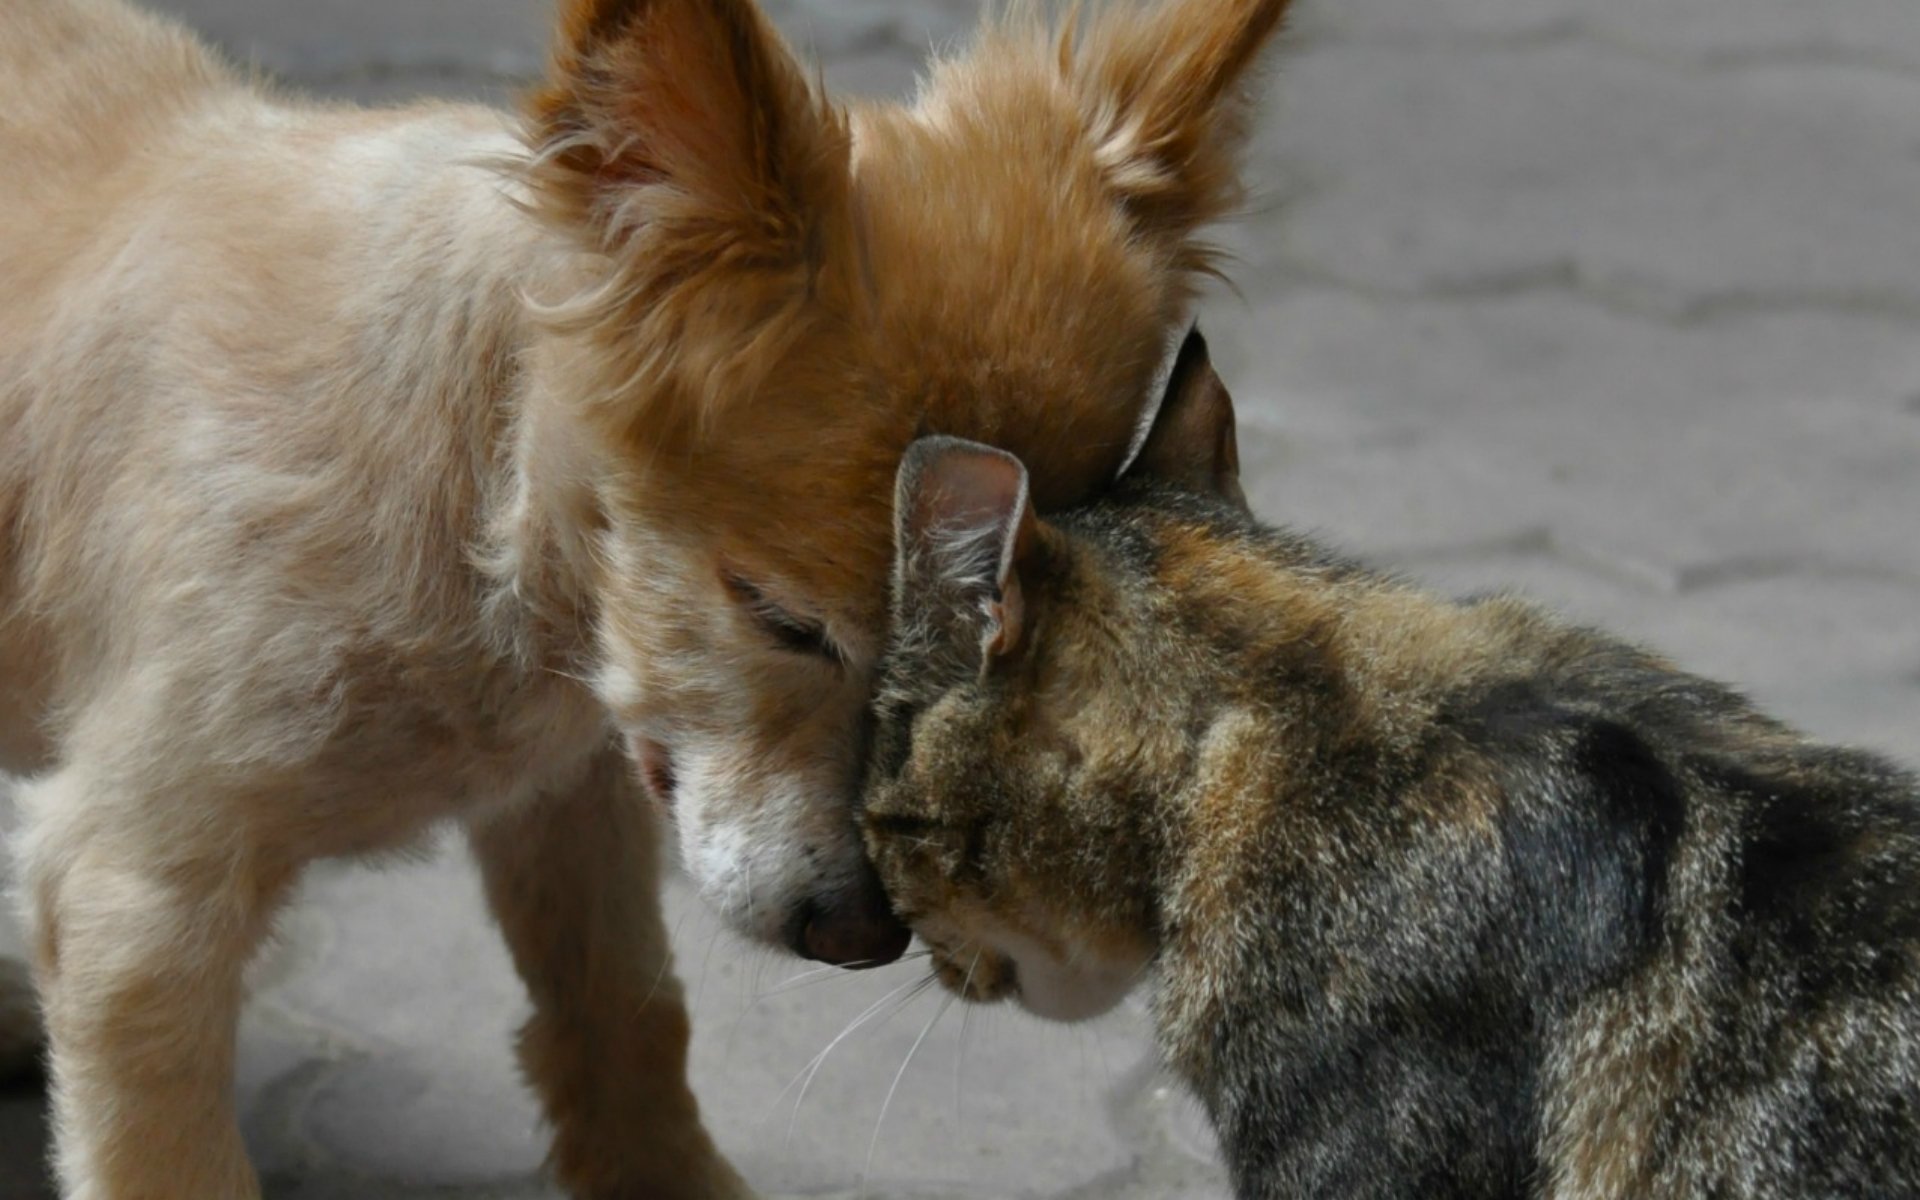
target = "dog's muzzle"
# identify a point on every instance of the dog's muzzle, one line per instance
(853, 928)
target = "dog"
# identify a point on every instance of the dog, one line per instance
(365, 471)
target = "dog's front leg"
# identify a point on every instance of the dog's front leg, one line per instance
(573, 878)
(141, 936)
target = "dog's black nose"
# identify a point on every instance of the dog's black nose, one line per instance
(854, 927)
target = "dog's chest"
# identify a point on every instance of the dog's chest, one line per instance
(395, 770)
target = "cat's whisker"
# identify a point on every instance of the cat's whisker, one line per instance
(910, 989)
(960, 1051)
(794, 983)
(759, 994)
(806, 979)
(873, 1143)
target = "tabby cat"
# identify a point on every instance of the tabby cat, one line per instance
(1434, 898)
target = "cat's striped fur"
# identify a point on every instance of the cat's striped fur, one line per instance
(1436, 898)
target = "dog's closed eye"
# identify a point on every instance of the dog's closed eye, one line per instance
(788, 630)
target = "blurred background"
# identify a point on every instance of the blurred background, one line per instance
(1617, 304)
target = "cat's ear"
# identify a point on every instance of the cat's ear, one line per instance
(963, 529)
(1192, 443)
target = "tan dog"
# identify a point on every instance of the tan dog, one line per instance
(365, 470)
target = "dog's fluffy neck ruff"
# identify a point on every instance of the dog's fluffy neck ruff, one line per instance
(536, 537)
(533, 530)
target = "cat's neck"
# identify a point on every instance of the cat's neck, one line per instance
(1328, 683)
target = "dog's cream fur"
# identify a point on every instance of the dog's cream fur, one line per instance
(364, 470)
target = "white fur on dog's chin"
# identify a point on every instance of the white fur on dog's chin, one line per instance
(760, 830)
(1061, 990)
(744, 839)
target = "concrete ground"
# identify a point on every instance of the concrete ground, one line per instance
(1618, 304)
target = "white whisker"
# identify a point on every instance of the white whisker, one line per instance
(804, 979)
(966, 1018)
(911, 988)
(873, 1143)
(795, 983)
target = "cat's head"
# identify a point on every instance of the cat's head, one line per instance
(1036, 703)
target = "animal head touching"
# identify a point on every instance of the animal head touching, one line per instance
(770, 295)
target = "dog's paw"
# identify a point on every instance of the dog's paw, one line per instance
(21, 1036)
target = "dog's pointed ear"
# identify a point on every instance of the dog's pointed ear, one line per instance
(682, 141)
(1167, 97)
(700, 96)
(1192, 443)
(964, 532)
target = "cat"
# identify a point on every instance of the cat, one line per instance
(1436, 898)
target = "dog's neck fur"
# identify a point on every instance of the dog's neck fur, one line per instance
(536, 531)
(537, 515)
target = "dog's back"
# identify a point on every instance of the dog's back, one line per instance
(89, 90)
(87, 87)
(88, 82)
(224, 312)
(84, 86)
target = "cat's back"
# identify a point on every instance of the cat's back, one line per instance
(1765, 1039)
(1601, 927)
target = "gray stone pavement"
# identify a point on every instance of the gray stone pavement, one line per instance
(1616, 304)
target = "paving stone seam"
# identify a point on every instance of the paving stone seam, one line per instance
(1685, 579)
(1694, 578)
(1307, 38)
(1620, 292)
(282, 1108)
(288, 1099)
(1572, 31)
(1538, 542)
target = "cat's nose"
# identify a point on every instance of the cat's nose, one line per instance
(854, 927)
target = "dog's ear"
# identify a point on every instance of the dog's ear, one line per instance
(1192, 443)
(964, 532)
(1166, 94)
(682, 141)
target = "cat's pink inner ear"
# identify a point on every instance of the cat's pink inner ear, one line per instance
(966, 507)
(1193, 441)
(966, 490)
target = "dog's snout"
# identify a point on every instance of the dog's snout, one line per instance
(853, 928)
